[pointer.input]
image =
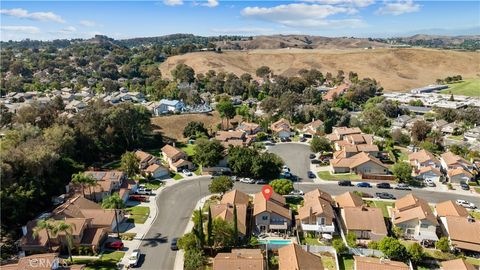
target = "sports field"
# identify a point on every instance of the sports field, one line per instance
(467, 88)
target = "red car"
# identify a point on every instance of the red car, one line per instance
(114, 245)
(138, 198)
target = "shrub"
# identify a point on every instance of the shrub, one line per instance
(449, 185)
(415, 251)
(393, 249)
(397, 231)
(442, 244)
(372, 245)
(473, 184)
(339, 246)
(351, 240)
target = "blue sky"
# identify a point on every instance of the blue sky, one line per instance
(48, 20)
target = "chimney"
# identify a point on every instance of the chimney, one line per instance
(173, 144)
(24, 230)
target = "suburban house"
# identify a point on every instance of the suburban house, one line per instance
(316, 215)
(415, 217)
(457, 264)
(156, 171)
(361, 163)
(44, 261)
(428, 173)
(90, 226)
(271, 215)
(224, 209)
(401, 121)
(249, 128)
(372, 263)
(348, 199)
(338, 133)
(336, 92)
(364, 222)
(463, 233)
(313, 128)
(168, 106)
(423, 158)
(281, 128)
(439, 124)
(240, 259)
(293, 257)
(450, 128)
(234, 138)
(458, 175)
(450, 208)
(146, 159)
(451, 161)
(473, 134)
(176, 158)
(107, 183)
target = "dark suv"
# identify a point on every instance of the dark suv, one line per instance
(383, 185)
(346, 183)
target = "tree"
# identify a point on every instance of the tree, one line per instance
(420, 130)
(114, 202)
(130, 164)
(199, 230)
(397, 232)
(282, 186)
(235, 226)
(220, 184)
(339, 246)
(402, 171)
(372, 245)
(415, 251)
(226, 109)
(374, 118)
(222, 233)
(352, 239)
(194, 259)
(65, 228)
(48, 226)
(188, 241)
(393, 248)
(443, 244)
(241, 159)
(194, 129)
(263, 72)
(79, 179)
(320, 144)
(183, 73)
(208, 153)
(266, 166)
(209, 228)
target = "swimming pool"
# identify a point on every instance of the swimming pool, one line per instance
(279, 242)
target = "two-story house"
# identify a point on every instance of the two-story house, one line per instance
(423, 158)
(225, 209)
(415, 217)
(272, 214)
(364, 222)
(249, 128)
(463, 233)
(176, 158)
(281, 128)
(316, 215)
(106, 183)
(313, 128)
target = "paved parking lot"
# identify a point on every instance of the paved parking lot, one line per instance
(295, 156)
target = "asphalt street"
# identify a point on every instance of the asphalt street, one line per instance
(176, 203)
(295, 156)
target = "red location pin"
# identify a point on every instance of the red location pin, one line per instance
(267, 191)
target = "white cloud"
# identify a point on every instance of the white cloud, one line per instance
(211, 3)
(399, 7)
(173, 2)
(20, 29)
(88, 23)
(357, 3)
(67, 30)
(303, 15)
(37, 16)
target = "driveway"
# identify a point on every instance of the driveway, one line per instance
(295, 156)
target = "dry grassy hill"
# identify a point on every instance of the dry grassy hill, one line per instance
(395, 69)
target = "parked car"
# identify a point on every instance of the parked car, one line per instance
(315, 161)
(173, 244)
(429, 183)
(114, 245)
(385, 195)
(312, 156)
(134, 257)
(364, 185)
(302, 139)
(311, 174)
(285, 140)
(187, 172)
(285, 168)
(466, 204)
(383, 185)
(138, 198)
(261, 182)
(297, 192)
(346, 183)
(234, 178)
(464, 186)
(144, 191)
(403, 186)
(294, 178)
(247, 180)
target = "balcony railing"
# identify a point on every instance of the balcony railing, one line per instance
(318, 228)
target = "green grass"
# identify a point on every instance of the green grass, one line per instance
(198, 171)
(382, 205)
(108, 261)
(475, 215)
(466, 88)
(155, 152)
(293, 202)
(477, 189)
(189, 149)
(456, 137)
(176, 176)
(328, 263)
(473, 260)
(138, 214)
(326, 175)
(154, 184)
(345, 262)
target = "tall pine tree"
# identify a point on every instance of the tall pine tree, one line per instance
(199, 231)
(209, 228)
(235, 226)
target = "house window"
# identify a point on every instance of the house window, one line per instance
(423, 225)
(264, 217)
(322, 221)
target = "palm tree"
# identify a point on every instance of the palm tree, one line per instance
(91, 182)
(67, 229)
(114, 202)
(48, 226)
(79, 179)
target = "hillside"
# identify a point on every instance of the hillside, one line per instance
(395, 69)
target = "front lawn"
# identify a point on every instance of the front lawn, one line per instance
(108, 261)
(153, 184)
(176, 176)
(456, 137)
(477, 189)
(473, 261)
(475, 215)
(466, 88)
(380, 204)
(328, 263)
(198, 171)
(138, 214)
(326, 175)
(345, 262)
(189, 149)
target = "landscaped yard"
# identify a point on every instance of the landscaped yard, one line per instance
(293, 202)
(477, 189)
(176, 176)
(328, 262)
(346, 262)
(456, 138)
(380, 204)
(112, 165)
(476, 215)
(138, 214)
(198, 171)
(326, 175)
(154, 184)
(108, 261)
(189, 149)
(466, 88)
(473, 260)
